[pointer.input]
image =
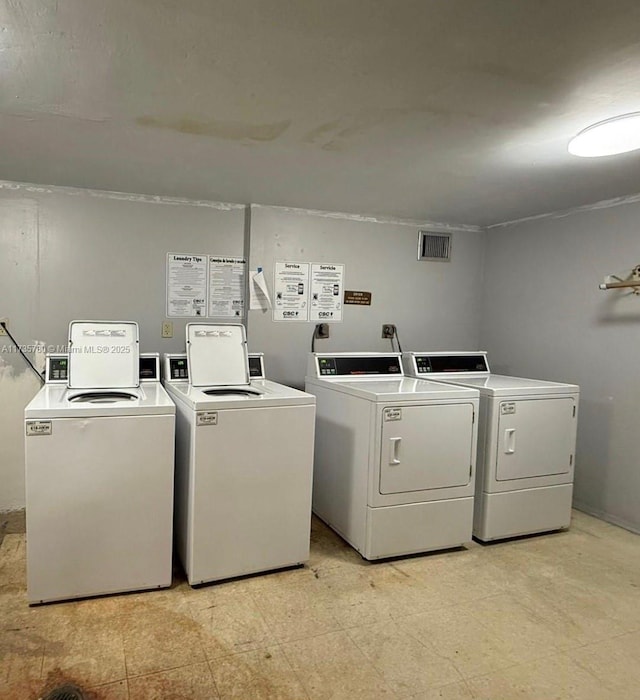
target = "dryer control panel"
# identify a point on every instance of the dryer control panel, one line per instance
(447, 363)
(351, 365)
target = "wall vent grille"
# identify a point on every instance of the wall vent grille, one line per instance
(434, 246)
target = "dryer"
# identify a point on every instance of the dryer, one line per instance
(99, 462)
(244, 458)
(526, 444)
(394, 456)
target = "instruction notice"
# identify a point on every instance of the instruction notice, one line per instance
(186, 285)
(327, 281)
(226, 286)
(291, 291)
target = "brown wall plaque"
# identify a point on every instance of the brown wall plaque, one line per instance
(359, 298)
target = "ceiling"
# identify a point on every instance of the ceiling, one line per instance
(446, 110)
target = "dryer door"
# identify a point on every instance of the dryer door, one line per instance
(426, 447)
(536, 437)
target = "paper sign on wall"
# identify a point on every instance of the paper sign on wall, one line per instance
(327, 281)
(259, 298)
(291, 291)
(186, 285)
(226, 286)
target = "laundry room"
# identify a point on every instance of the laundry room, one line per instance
(318, 350)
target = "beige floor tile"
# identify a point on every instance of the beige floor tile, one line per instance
(364, 596)
(111, 691)
(556, 677)
(576, 615)
(294, 607)
(407, 665)
(457, 635)
(332, 666)
(453, 691)
(329, 550)
(89, 657)
(193, 682)
(506, 616)
(21, 649)
(231, 624)
(260, 675)
(523, 635)
(615, 663)
(160, 641)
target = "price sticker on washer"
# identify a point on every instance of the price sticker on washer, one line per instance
(207, 418)
(392, 414)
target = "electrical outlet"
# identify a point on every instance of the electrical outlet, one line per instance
(6, 323)
(388, 330)
(167, 329)
(322, 330)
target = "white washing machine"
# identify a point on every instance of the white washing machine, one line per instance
(394, 457)
(244, 459)
(99, 452)
(526, 444)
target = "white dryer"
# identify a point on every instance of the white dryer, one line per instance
(99, 451)
(244, 459)
(394, 456)
(526, 444)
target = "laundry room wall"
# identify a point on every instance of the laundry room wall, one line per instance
(544, 317)
(80, 254)
(435, 305)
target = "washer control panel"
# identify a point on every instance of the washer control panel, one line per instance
(149, 367)
(57, 369)
(256, 365)
(176, 369)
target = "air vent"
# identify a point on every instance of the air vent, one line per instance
(434, 246)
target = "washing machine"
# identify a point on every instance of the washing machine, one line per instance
(244, 459)
(394, 456)
(99, 446)
(526, 444)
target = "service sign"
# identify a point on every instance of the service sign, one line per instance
(327, 281)
(291, 291)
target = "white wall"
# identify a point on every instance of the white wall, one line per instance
(435, 305)
(70, 254)
(544, 317)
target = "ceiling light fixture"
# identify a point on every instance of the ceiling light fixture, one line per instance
(609, 137)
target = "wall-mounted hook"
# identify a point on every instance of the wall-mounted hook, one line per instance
(631, 281)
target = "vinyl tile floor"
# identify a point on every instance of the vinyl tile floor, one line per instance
(555, 616)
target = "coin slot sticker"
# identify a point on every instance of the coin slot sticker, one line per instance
(38, 427)
(508, 409)
(392, 414)
(207, 418)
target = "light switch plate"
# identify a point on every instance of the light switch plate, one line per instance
(167, 329)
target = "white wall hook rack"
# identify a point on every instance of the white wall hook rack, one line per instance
(631, 281)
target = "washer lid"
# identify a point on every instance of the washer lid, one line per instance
(103, 354)
(217, 354)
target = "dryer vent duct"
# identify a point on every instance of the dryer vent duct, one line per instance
(434, 246)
